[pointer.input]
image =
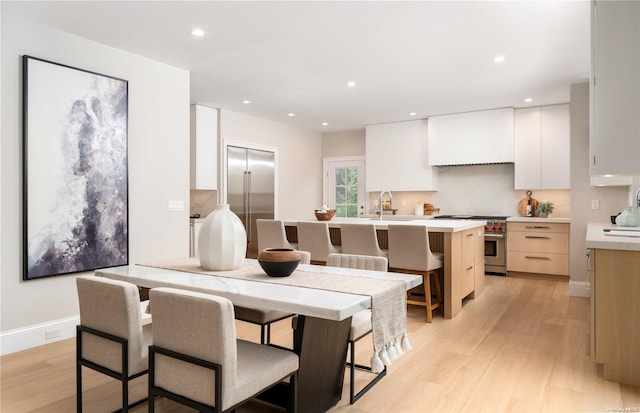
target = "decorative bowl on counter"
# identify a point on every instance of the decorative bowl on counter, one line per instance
(325, 215)
(279, 262)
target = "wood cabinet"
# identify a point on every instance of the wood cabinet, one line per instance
(396, 157)
(615, 88)
(541, 248)
(615, 311)
(542, 147)
(204, 148)
(480, 137)
(472, 258)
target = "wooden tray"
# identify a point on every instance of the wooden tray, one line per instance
(522, 205)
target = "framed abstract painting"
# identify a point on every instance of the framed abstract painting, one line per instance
(75, 177)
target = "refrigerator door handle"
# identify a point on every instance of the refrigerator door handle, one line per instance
(248, 206)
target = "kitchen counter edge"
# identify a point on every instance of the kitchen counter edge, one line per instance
(597, 239)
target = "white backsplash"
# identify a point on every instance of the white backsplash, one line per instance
(476, 190)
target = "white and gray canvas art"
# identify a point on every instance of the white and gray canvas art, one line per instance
(76, 214)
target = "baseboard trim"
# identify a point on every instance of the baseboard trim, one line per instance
(33, 336)
(579, 289)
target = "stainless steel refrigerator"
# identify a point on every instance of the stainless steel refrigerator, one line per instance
(250, 189)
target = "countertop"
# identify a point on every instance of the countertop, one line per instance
(597, 239)
(433, 225)
(538, 219)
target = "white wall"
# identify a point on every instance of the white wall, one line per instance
(158, 172)
(299, 161)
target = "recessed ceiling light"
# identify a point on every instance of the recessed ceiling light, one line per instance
(324, 123)
(528, 100)
(498, 59)
(412, 114)
(246, 102)
(291, 114)
(351, 84)
(198, 32)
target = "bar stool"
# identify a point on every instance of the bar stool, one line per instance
(410, 253)
(271, 234)
(314, 237)
(361, 239)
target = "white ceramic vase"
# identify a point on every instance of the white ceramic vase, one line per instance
(627, 218)
(222, 242)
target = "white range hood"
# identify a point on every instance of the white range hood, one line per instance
(472, 138)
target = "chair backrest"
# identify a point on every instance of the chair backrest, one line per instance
(271, 234)
(112, 307)
(314, 237)
(360, 262)
(305, 257)
(359, 239)
(200, 325)
(409, 248)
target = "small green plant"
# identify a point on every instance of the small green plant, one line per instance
(544, 208)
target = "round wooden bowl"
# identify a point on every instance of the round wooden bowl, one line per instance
(279, 262)
(325, 216)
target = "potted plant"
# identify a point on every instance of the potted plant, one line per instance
(544, 209)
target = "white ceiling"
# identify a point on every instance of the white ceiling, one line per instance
(428, 57)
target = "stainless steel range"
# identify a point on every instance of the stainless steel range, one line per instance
(495, 241)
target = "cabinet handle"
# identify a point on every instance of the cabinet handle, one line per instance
(533, 257)
(536, 237)
(537, 227)
(470, 268)
(469, 235)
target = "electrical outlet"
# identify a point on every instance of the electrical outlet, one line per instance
(49, 334)
(595, 204)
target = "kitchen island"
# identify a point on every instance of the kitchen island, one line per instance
(614, 265)
(462, 242)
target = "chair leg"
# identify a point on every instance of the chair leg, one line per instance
(262, 334)
(438, 286)
(427, 296)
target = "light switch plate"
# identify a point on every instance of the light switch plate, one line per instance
(174, 206)
(595, 204)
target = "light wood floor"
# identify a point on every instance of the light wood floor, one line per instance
(523, 346)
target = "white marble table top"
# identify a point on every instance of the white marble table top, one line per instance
(306, 301)
(618, 238)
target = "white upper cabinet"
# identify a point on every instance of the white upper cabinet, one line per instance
(471, 138)
(615, 88)
(542, 147)
(204, 148)
(396, 157)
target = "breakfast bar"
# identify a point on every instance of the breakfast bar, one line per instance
(462, 245)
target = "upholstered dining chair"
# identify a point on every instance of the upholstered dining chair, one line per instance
(314, 237)
(361, 321)
(361, 239)
(197, 361)
(264, 317)
(111, 337)
(409, 252)
(271, 234)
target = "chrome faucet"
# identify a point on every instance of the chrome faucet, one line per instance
(380, 202)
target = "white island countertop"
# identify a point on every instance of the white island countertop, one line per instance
(617, 238)
(433, 225)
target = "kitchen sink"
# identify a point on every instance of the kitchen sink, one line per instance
(390, 219)
(622, 232)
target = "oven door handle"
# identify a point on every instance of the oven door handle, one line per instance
(500, 236)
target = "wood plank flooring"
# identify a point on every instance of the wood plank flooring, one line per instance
(522, 346)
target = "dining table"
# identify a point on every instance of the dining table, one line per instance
(321, 335)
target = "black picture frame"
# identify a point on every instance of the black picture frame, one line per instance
(75, 171)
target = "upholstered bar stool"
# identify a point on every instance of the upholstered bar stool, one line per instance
(271, 234)
(361, 239)
(264, 317)
(314, 237)
(409, 252)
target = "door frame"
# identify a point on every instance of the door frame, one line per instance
(325, 175)
(222, 196)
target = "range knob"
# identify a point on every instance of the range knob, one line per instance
(486, 228)
(493, 227)
(500, 228)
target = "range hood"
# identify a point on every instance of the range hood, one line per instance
(472, 138)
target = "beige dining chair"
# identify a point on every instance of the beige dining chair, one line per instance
(264, 317)
(315, 238)
(361, 239)
(361, 321)
(111, 337)
(272, 234)
(409, 252)
(197, 361)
